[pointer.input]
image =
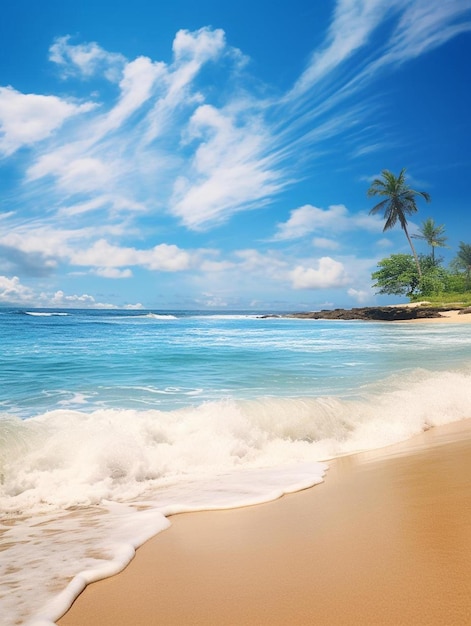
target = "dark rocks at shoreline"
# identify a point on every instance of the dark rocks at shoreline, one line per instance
(384, 314)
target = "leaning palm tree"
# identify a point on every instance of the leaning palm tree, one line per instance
(399, 201)
(433, 234)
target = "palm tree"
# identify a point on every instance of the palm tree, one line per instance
(399, 201)
(433, 234)
(463, 260)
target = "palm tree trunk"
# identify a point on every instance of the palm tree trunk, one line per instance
(413, 252)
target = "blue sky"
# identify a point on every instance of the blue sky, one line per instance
(170, 155)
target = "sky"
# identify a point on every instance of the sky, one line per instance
(216, 155)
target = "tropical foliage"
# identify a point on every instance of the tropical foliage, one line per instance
(399, 202)
(398, 275)
(433, 234)
(463, 261)
(415, 275)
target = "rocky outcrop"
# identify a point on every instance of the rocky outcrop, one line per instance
(386, 313)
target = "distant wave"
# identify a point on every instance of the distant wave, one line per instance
(228, 316)
(49, 314)
(158, 316)
(154, 316)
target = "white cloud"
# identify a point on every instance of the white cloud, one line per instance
(28, 118)
(166, 258)
(353, 23)
(11, 290)
(425, 25)
(211, 300)
(170, 143)
(384, 243)
(360, 295)
(229, 171)
(103, 255)
(323, 242)
(328, 274)
(216, 266)
(308, 219)
(82, 248)
(84, 175)
(421, 25)
(36, 240)
(137, 83)
(117, 153)
(87, 59)
(191, 51)
(113, 272)
(199, 46)
(410, 28)
(84, 301)
(100, 202)
(252, 260)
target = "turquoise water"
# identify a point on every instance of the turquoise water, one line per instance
(112, 420)
(114, 359)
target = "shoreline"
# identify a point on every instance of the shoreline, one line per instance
(393, 313)
(452, 316)
(384, 540)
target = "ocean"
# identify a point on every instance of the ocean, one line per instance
(113, 420)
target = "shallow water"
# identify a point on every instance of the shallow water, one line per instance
(112, 420)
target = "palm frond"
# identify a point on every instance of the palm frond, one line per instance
(379, 207)
(399, 202)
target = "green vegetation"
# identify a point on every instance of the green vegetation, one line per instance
(433, 234)
(398, 275)
(463, 262)
(399, 201)
(418, 276)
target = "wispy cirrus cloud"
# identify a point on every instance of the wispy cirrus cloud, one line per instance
(160, 131)
(414, 27)
(397, 31)
(219, 158)
(170, 149)
(424, 25)
(230, 170)
(353, 23)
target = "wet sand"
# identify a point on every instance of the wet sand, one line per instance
(385, 540)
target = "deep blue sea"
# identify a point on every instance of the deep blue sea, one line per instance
(112, 420)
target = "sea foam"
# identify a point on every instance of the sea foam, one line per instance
(70, 458)
(239, 410)
(101, 483)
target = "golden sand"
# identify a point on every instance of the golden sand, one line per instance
(385, 540)
(454, 317)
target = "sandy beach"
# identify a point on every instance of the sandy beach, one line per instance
(453, 317)
(385, 539)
